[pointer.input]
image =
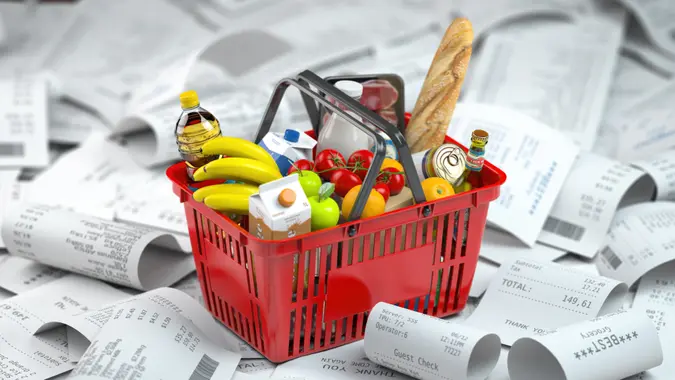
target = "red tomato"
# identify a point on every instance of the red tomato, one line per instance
(327, 161)
(360, 161)
(393, 179)
(344, 180)
(301, 165)
(382, 189)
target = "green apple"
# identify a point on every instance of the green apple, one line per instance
(310, 182)
(325, 211)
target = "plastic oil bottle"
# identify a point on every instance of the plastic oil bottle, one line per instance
(194, 127)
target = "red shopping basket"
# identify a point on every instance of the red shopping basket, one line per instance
(294, 297)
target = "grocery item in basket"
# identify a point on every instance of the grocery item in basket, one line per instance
(475, 159)
(228, 198)
(436, 102)
(241, 169)
(310, 182)
(393, 178)
(325, 211)
(236, 147)
(327, 161)
(344, 180)
(384, 190)
(402, 200)
(288, 148)
(359, 162)
(447, 161)
(300, 165)
(280, 210)
(195, 127)
(436, 188)
(338, 133)
(374, 205)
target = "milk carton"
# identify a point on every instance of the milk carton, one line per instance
(280, 210)
(287, 149)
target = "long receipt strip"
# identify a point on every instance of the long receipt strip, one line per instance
(537, 155)
(610, 347)
(656, 298)
(428, 348)
(640, 240)
(84, 326)
(148, 340)
(37, 357)
(584, 209)
(120, 253)
(527, 297)
(662, 170)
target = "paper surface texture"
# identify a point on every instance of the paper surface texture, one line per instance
(342, 363)
(539, 157)
(592, 192)
(528, 297)
(149, 340)
(655, 298)
(23, 122)
(499, 247)
(428, 348)
(19, 275)
(657, 18)
(560, 82)
(639, 240)
(648, 127)
(45, 355)
(125, 254)
(606, 348)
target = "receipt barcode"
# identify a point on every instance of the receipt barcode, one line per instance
(613, 260)
(564, 229)
(205, 369)
(11, 150)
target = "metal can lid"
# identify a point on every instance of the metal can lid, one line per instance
(449, 162)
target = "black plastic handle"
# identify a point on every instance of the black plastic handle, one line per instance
(374, 122)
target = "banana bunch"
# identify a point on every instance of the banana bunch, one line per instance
(245, 162)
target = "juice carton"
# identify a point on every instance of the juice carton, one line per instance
(287, 149)
(280, 210)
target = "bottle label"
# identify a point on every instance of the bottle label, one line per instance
(475, 160)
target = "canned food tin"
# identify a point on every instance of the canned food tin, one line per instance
(447, 161)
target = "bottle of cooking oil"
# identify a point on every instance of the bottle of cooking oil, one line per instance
(194, 128)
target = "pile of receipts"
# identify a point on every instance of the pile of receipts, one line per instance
(576, 275)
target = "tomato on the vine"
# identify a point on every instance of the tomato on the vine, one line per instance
(382, 189)
(344, 180)
(300, 165)
(327, 161)
(360, 161)
(393, 178)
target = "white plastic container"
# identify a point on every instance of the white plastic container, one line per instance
(339, 134)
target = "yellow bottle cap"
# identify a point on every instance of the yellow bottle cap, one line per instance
(189, 99)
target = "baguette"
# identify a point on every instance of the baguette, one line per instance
(434, 107)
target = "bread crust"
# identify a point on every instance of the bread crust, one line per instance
(434, 107)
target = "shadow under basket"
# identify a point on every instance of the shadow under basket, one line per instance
(422, 257)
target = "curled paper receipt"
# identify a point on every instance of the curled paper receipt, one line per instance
(428, 348)
(611, 347)
(116, 252)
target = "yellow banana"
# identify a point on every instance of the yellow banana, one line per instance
(236, 147)
(228, 203)
(224, 188)
(238, 169)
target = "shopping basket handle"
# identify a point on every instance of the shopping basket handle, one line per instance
(302, 82)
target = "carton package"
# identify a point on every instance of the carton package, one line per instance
(287, 148)
(280, 210)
